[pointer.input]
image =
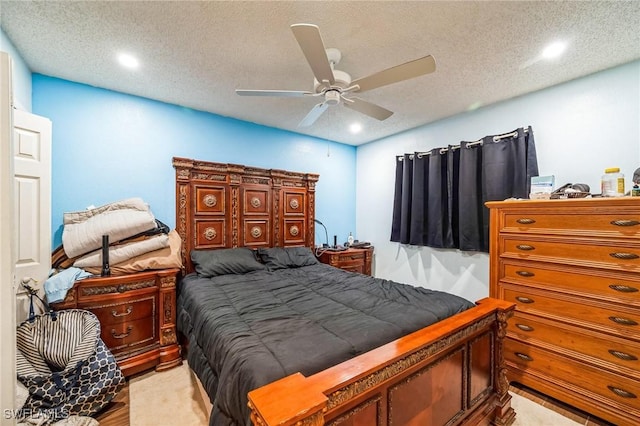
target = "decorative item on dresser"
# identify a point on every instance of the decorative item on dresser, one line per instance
(137, 314)
(573, 269)
(352, 259)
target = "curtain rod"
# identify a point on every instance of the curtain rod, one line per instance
(468, 145)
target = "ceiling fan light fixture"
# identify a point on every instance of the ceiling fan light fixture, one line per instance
(332, 97)
(342, 80)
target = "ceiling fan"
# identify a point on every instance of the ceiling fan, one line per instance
(336, 86)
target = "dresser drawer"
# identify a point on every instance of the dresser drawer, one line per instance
(352, 259)
(353, 267)
(604, 254)
(574, 222)
(614, 387)
(624, 322)
(120, 337)
(624, 353)
(622, 286)
(129, 309)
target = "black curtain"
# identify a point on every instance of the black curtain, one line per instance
(440, 195)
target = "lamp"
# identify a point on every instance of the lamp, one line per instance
(326, 234)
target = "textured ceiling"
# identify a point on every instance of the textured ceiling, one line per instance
(195, 54)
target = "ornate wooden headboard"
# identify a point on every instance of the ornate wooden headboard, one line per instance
(222, 205)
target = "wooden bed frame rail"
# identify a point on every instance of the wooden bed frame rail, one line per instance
(450, 373)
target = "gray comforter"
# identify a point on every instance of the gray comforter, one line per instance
(247, 330)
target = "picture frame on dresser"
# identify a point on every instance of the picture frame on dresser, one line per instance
(137, 314)
(572, 267)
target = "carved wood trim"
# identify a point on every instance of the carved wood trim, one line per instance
(236, 178)
(358, 408)
(168, 337)
(169, 281)
(120, 288)
(501, 381)
(374, 379)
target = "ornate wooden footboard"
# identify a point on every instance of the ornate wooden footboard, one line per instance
(447, 374)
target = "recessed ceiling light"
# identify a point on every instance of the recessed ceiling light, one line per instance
(554, 50)
(355, 128)
(127, 60)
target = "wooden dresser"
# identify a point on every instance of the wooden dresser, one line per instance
(573, 269)
(137, 314)
(352, 259)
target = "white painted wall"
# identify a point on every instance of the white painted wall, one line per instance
(580, 128)
(21, 74)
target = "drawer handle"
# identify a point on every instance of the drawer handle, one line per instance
(625, 222)
(525, 247)
(623, 288)
(525, 221)
(121, 288)
(623, 356)
(623, 321)
(623, 255)
(523, 356)
(621, 392)
(124, 314)
(523, 299)
(524, 327)
(123, 335)
(525, 273)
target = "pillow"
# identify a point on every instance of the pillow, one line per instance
(211, 263)
(287, 257)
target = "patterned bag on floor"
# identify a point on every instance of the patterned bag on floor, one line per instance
(65, 365)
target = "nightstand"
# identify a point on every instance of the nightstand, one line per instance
(137, 314)
(352, 259)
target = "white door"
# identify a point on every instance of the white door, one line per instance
(7, 313)
(32, 204)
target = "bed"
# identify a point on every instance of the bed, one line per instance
(276, 338)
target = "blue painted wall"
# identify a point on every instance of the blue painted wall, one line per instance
(109, 146)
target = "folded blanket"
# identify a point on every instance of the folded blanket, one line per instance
(165, 258)
(60, 260)
(83, 230)
(123, 252)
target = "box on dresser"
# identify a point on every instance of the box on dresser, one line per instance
(137, 314)
(573, 269)
(351, 259)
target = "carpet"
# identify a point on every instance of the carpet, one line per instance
(160, 399)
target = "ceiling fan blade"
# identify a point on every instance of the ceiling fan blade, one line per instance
(281, 93)
(313, 115)
(398, 73)
(367, 108)
(310, 41)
